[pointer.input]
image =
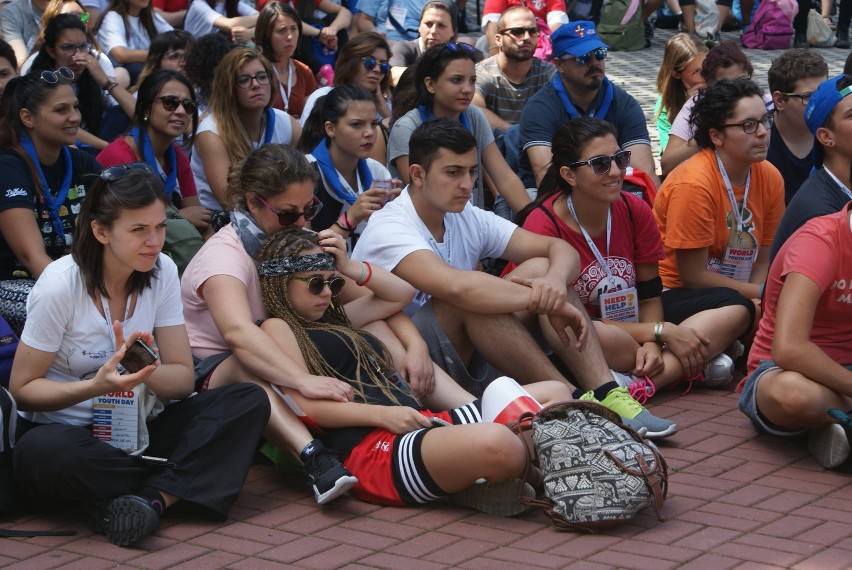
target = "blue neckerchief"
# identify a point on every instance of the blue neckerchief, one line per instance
(270, 126)
(144, 141)
(53, 204)
(427, 114)
(320, 153)
(600, 112)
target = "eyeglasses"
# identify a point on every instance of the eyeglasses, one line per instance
(171, 102)
(581, 60)
(71, 49)
(244, 81)
(290, 217)
(316, 284)
(174, 56)
(803, 97)
(749, 126)
(114, 173)
(520, 33)
(54, 77)
(372, 62)
(601, 164)
(84, 17)
(459, 47)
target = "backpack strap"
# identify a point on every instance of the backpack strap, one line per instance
(552, 219)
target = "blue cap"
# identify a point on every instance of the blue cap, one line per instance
(823, 102)
(576, 38)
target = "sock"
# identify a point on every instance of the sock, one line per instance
(315, 446)
(601, 392)
(154, 498)
(577, 393)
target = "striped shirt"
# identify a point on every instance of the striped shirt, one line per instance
(504, 98)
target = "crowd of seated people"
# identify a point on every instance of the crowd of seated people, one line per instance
(344, 221)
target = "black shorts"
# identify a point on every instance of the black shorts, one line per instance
(680, 304)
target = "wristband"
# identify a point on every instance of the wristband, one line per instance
(347, 230)
(363, 282)
(110, 86)
(344, 221)
(658, 332)
(363, 274)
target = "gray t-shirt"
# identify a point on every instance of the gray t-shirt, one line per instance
(20, 20)
(401, 133)
(507, 99)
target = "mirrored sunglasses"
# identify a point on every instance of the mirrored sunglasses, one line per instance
(371, 62)
(581, 60)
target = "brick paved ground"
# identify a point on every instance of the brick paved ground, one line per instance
(735, 501)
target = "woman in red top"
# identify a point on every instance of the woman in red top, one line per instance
(581, 201)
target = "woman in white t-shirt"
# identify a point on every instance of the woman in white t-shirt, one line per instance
(75, 371)
(125, 30)
(240, 118)
(339, 135)
(233, 17)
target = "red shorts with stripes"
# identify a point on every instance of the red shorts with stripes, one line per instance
(390, 468)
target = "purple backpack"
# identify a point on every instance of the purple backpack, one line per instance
(772, 25)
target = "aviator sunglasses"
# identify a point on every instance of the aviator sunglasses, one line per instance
(372, 62)
(171, 102)
(316, 284)
(290, 217)
(601, 164)
(520, 33)
(581, 60)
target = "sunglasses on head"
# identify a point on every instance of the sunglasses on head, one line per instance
(316, 284)
(520, 33)
(114, 173)
(54, 77)
(372, 62)
(581, 60)
(459, 47)
(601, 164)
(244, 81)
(175, 55)
(290, 217)
(171, 102)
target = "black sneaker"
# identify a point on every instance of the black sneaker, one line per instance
(649, 33)
(125, 520)
(328, 477)
(800, 41)
(842, 39)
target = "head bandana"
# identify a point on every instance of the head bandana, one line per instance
(297, 264)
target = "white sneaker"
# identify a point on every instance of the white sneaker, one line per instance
(829, 446)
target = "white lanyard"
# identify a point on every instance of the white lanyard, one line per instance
(108, 316)
(839, 183)
(738, 212)
(285, 96)
(434, 244)
(595, 251)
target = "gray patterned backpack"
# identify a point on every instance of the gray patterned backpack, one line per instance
(597, 472)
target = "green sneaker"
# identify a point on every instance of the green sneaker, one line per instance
(633, 414)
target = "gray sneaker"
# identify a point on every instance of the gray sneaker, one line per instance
(829, 445)
(634, 414)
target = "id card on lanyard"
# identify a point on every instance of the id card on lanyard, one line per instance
(741, 250)
(617, 303)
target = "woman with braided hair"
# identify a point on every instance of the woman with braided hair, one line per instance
(383, 435)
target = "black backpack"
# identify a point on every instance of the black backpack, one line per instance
(8, 421)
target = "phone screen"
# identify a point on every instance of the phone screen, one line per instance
(138, 356)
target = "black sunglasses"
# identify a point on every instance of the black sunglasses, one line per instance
(54, 77)
(171, 102)
(114, 173)
(519, 33)
(290, 217)
(316, 284)
(581, 60)
(601, 164)
(459, 47)
(372, 62)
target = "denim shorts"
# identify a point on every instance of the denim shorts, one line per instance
(748, 403)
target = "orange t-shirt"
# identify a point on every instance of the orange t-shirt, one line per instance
(693, 210)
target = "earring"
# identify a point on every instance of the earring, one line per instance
(145, 118)
(829, 143)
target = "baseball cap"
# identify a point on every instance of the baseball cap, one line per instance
(576, 38)
(823, 102)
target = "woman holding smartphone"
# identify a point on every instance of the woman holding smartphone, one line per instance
(85, 312)
(340, 135)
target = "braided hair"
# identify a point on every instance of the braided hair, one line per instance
(372, 367)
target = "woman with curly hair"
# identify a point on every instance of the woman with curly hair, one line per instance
(240, 118)
(386, 436)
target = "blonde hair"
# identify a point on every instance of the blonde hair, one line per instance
(372, 367)
(223, 101)
(679, 51)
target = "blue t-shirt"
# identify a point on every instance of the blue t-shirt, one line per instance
(406, 13)
(544, 114)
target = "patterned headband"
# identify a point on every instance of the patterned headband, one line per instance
(297, 264)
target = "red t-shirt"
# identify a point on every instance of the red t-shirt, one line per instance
(306, 84)
(821, 250)
(171, 5)
(119, 152)
(539, 8)
(634, 240)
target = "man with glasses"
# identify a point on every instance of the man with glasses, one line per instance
(828, 116)
(793, 77)
(551, 11)
(475, 324)
(580, 88)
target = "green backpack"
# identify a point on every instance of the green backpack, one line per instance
(621, 26)
(182, 239)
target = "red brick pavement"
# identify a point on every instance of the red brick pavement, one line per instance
(736, 501)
